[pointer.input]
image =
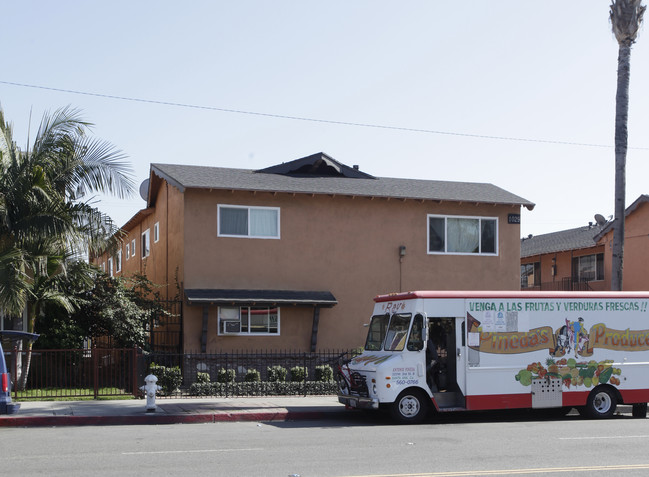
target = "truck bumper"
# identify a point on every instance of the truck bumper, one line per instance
(358, 402)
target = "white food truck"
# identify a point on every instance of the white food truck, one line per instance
(460, 350)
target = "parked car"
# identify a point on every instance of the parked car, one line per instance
(6, 406)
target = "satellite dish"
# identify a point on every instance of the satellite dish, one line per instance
(144, 190)
(599, 218)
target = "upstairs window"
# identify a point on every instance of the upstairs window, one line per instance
(128, 251)
(110, 266)
(146, 243)
(251, 222)
(588, 268)
(156, 232)
(462, 235)
(530, 275)
(118, 261)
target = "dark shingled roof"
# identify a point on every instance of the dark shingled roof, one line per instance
(197, 296)
(203, 177)
(573, 239)
(643, 199)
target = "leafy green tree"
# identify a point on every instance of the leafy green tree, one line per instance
(120, 308)
(115, 307)
(626, 18)
(46, 211)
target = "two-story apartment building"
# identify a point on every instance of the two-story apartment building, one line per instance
(290, 257)
(581, 258)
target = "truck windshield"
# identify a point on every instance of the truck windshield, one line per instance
(376, 334)
(395, 339)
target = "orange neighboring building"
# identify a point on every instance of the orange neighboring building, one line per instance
(581, 258)
(290, 257)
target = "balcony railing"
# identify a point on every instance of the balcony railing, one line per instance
(565, 284)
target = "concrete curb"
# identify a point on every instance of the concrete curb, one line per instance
(148, 419)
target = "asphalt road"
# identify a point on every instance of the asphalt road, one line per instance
(363, 445)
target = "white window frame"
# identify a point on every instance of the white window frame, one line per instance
(156, 232)
(469, 217)
(128, 250)
(110, 266)
(133, 248)
(146, 243)
(578, 268)
(249, 208)
(118, 261)
(237, 331)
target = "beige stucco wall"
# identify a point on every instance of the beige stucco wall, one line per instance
(349, 246)
(636, 250)
(563, 267)
(164, 264)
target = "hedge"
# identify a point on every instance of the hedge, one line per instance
(264, 388)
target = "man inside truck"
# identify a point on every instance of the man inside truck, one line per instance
(432, 360)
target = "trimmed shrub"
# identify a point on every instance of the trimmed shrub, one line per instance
(264, 388)
(169, 379)
(276, 374)
(226, 375)
(299, 374)
(324, 373)
(203, 377)
(252, 376)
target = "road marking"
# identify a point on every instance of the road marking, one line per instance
(601, 437)
(191, 451)
(542, 470)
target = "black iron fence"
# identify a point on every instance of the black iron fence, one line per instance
(564, 284)
(166, 332)
(99, 372)
(78, 373)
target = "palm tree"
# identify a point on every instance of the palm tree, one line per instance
(46, 211)
(626, 18)
(45, 196)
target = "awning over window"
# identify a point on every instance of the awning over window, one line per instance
(202, 296)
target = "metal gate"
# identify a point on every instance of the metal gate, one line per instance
(166, 331)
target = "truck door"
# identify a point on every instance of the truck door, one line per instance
(460, 353)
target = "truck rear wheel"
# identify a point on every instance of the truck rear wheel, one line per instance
(411, 407)
(601, 403)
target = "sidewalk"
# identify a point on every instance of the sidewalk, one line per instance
(173, 411)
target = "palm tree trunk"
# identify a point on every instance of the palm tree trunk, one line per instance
(31, 322)
(25, 372)
(621, 140)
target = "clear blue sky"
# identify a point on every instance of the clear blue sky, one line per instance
(541, 71)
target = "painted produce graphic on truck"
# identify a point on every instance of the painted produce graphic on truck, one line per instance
(571, 372)
(573, 338)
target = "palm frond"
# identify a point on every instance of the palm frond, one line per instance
(14, 282)
(626, 17)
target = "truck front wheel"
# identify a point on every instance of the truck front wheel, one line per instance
(411, 407)
(601, 403)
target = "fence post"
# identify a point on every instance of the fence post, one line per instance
(306, 372)
(227, 381)
(134, 375)
(15, 376)
(95, 371)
